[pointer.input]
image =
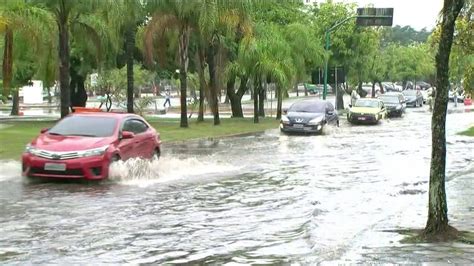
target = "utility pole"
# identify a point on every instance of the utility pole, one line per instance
(365, 17)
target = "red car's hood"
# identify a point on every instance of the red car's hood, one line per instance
(69, 143)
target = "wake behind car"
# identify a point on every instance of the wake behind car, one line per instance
(83, 145)
(308, 116)
(367, 110)
(394, 103)
(413, 98)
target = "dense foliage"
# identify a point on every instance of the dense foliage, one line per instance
(214, 48)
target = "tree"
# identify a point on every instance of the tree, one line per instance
(266, 56)
(127, 15)
(71, 16)
(18, 20)
(437, 224)
(216, 21)
(179, 16)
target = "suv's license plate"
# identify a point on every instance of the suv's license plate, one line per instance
(298, 125)
(55, 167)
(361, 118)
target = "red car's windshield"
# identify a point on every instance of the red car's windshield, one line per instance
(87, 126)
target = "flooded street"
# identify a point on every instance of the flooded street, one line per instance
(266, 198)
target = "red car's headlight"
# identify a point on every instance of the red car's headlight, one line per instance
(30, 149)
(93, 152)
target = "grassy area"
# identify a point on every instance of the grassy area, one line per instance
(15, 135)
(469, 132)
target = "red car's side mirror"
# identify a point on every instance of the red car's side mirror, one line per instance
(127, 135)
(43, 130)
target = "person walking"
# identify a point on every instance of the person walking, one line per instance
(455, 96)
(167, 98)
(354, 96)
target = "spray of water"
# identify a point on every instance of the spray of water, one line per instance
(9, 170)
(145, 172)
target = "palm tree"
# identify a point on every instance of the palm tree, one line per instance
(179, 16)
(306, 49)
(125, 16)
(267, 56)
(73, 17)
(218, 20)
(18, 18)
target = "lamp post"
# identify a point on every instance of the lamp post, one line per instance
(365, 17)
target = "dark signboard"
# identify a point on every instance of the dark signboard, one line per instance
(317, 76)
(370, 16)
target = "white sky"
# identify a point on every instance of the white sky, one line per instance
(416, 13)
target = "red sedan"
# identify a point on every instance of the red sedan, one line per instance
(83, 145)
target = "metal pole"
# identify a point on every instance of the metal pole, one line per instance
(335, 73)
(325, 88)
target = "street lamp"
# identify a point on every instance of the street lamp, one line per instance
(365, 17)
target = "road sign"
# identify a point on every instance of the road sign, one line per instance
(317, 76)
(370, 16)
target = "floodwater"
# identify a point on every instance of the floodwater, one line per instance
(265, 199)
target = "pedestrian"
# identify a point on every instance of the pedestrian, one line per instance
(430, 92)
(354, 96)
(455, 96)
(167, 98)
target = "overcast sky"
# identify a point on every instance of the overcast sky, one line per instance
(416, 13)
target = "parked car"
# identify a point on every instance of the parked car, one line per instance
(423, 85)
(309, 116)
(394, 103)
(413, 98)
(317, 88)
(367, 111)
(83, 145)
(389, 87)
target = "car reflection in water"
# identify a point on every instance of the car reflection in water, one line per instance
(308, 116)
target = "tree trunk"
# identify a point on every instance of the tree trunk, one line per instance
(373, 89)
(64, 55)
(340, 98)
(7, 71)
(15, 103)
(381, 87)
(437, 223)
(236, 98)
(255, 100)
(360, 91)
(235, 102)
(261, 101)
(7, 65)
(77, 89)
(200, 59)
(130, 48)
(50, 99)
(183, 67)
(212, 64)
(279, 101)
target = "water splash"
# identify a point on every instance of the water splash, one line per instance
(143, 173)
(9, 170)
